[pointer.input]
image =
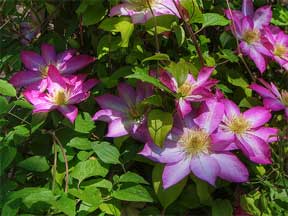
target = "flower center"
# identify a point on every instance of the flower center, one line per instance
(195, 142)
(239, 125)
(60, 98)
(185, 89)
(280, 50)
(44, 71)
(251, 36)
(284, 97)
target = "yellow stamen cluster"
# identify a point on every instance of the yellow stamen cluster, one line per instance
(239, 125)
(60, 98)
(185, 89)
(195, 142)
(280, 50)
(284, 97)
(251, 36)
(44, 71)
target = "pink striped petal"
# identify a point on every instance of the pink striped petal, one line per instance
(183, 107)
(32, 60)
(43, 107)
(262, 17)
(69, 111)
(231, 168)
(268, 134)
(116, 128)
(231, 109)
(55, 80)
(273, 104)
(175, 172)
(257, 116)
(205, 167)
(106, 115)
(204, 75)
(262, 91)
(247, 8)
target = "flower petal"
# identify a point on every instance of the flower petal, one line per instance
(268, 134)
(24, 78)
(48, 53)
(55, 80)
(78, 98)
(257, 116)
(204, 75)
(205, 167)
(235, 172)
(183, 107)
(106, 115)
(117, 128)
(76, 63)
(127, 93)
(247, 8)
(256, 149)
(175, 172)
(231, 109)
(108, 101)
(262, 91)
(32, 60)
(262, 17)
(273, 104)
(69, 111)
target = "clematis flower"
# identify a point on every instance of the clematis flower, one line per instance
(190, 147)
(272, 98)
(36, 66)
(140, 12)
(61, 94)
(246, 130)
(276, 41)
(248, 26)
(190, 90)
(125, 113)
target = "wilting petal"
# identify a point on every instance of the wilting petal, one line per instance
(76, 63)
(204, 75)
(262, 17)
(48, 53)
(127, 93)
(211, 114)
(231, 168)
(69, 111)
(257, 116)
(266, 133)
(117, 128)
(247, 8)
(32, 60)
(256, 149)
(112, 102)
(205, 167)
(24, 78)
(231, 109)
(106, 115)
(175, 172)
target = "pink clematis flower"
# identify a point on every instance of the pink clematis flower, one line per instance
(248, 26)
(191, 90)
(140, 12)
(246, 131)
(272, 98)
(276, 41)
(36, 66)
(125, 114)
(190, 147)
(61, 93)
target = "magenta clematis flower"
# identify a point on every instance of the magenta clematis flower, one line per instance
(248, 26)
(190, 147)
(191, 90)
(61, 93)
(36, 66)
(246, 131)
(272, 98)
(125, 114)
(276, 41)
(140, 12)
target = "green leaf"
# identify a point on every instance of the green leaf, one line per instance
(159, 125)
(237, 79)
(157, 57)
(90, 195)
(84, 123)
(203, 191)
(195, 14)
(38, 119)
(132, 177)
(35, 163)
(119, 24)
(133, 193)
(214, 19)
(141, 74)
(229, 55)
(106, 152)
(168, 196)
(80, 143)
(89, 168)
(7, 155)
(43, 195)
(180, 34)
(66, 205)
(112, 208)
(4, 106)
(7, 89)
(222, 207)
(164, 24)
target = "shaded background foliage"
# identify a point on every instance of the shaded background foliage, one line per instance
(106, 176)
